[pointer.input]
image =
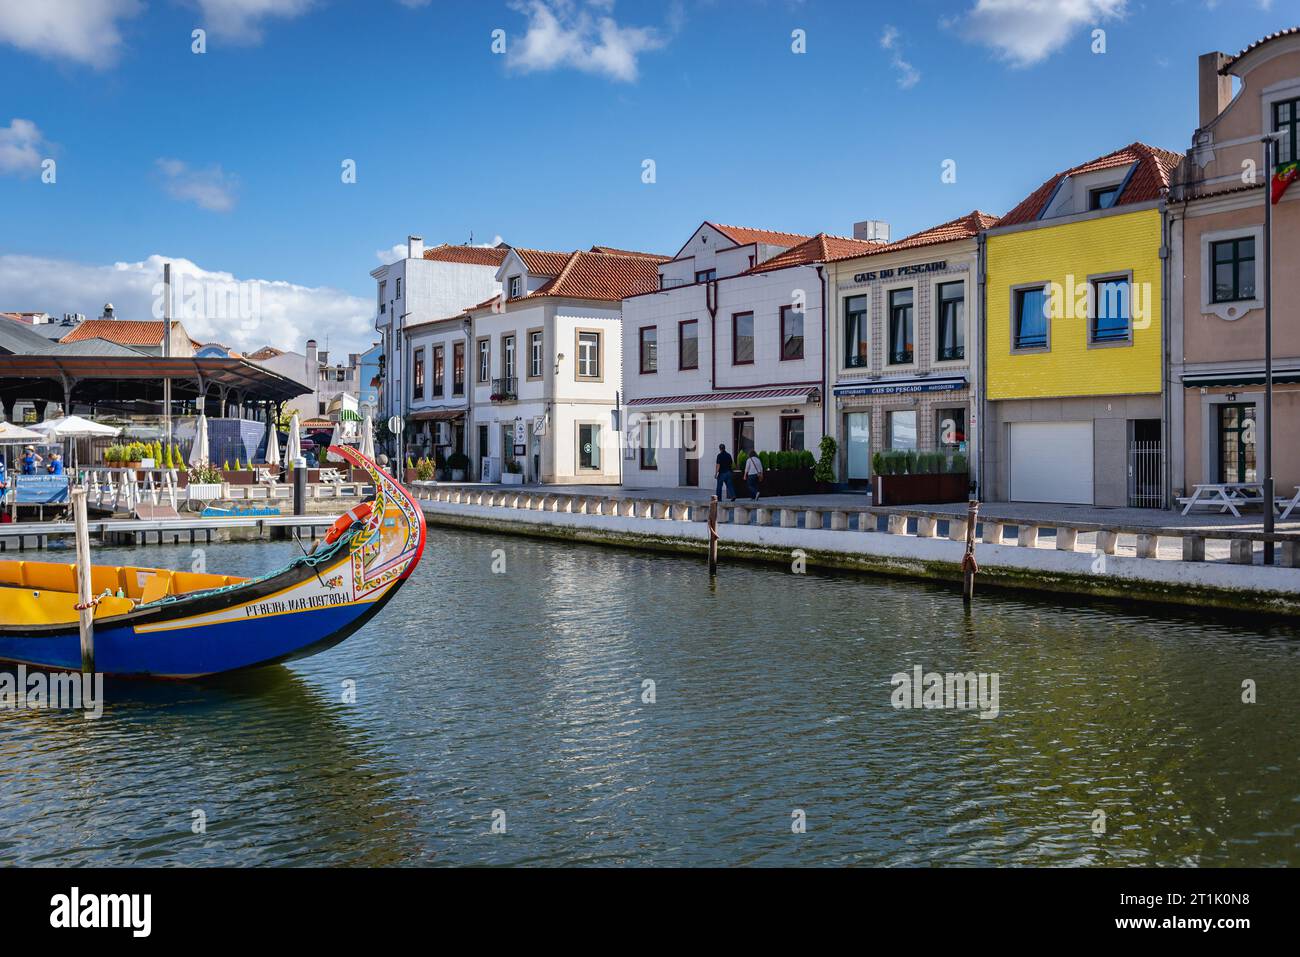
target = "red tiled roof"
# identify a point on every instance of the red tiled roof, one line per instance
(1154, 168)
(540, 262)
(629, 252)
(264, 353)
(603, 276)
(724, 396)
(744, 235)
(470, 255)
(1227, 67)
(821, 248)
(124, 332)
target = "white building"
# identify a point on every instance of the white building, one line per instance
(546, 364)
(426, 286)
(437, 385)
(729, 350)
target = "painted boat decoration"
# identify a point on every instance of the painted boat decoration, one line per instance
(158, 623)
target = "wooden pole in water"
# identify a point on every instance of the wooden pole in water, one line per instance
(713, 535)
(85, 605)
(968, 566)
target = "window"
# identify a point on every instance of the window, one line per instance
(902, 429)
(649, 444)
(417, 375)
(1234, 269)
(439, 370)
(742, 338)
(900, 327)
(508, 356)
(1286, 120)
(1110, 310)
(792, 433)
(383, 297)
(1103, 197)
(742, 435)
(588, 355)
(791, 333)
(649, 349)
(856, 351)
(484, 361)
(458, 368)
(588, 447)
(950, 429)
(688, 344)
(950, 336)
(399, 288)
(1237, 443)
(1030, 318)
(706, 275)
(514, 287)
(535, 354)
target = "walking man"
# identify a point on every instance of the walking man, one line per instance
(722, 471)
(753, 474)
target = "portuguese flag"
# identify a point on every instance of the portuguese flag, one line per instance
(1284, 176)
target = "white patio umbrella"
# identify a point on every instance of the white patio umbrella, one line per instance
(272, 446)
(293, 448)
(71, 427)
(368, 438)
(199, 450)
(11, 434)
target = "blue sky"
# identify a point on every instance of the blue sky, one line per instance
(232, 159)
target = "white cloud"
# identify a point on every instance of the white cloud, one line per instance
(285, 314)
(239, 21)
(22, 147)
(1025, 32)
(908, 75)
(211, 188)
(565, 33)
(85, 31)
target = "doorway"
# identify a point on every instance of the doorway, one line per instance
(857, 429)
(1237, 442)
(691, 449)
(742, 436)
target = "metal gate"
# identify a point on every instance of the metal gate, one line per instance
(1146, 475)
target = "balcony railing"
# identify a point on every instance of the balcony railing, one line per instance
(505, 389)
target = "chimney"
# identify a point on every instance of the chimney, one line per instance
(311, 355)
(872, 230)
(1215, 89)
(414, 247)
(108, 311)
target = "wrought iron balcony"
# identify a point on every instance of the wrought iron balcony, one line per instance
(505, 389)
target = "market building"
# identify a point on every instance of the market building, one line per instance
(904, 336)
(1217, 216)
(546, 365)
(1073, 343)
(727, 350)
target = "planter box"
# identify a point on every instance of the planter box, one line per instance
(512, 478)
(781, 482)
(237, 478)
(203, 491)
(921, 489)
(410, 475)
(458, 475)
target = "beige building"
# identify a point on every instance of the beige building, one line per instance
(1216, 213)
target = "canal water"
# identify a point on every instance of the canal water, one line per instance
(504, 717)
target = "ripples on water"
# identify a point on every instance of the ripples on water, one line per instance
(522, 692)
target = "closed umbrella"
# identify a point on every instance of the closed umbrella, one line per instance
(199, 450)
(272, 446)
(293, 448)
(368, 438)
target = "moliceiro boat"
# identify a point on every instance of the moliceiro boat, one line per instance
(158, 623)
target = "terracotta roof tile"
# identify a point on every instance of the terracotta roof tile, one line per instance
(963, 227)
(125, 332)
(264, 353)
(1231, 62)
(603, 276)
(470, 255)
(819, 249)
(541, 262)
(1154, 168)
(744, 235)
(630, 252)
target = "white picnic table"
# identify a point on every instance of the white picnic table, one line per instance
(1226, 496)
(1288, 504)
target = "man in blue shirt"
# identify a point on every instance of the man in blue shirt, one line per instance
(56, 463)
(30, 460)
(722, 472)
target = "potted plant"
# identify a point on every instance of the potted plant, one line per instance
(824, 471)
(458, 462)
(912, 477)
(513, 474)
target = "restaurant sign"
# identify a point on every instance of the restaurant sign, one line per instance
(939, 266)
(903, 388)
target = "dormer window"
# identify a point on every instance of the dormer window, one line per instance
(1103, 197)
(516, 283)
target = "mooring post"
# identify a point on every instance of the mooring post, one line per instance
(713, 535)
(968, 565)
(85, 603)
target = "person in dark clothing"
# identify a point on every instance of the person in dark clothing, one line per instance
(722, 472)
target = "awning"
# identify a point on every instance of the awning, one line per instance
(436, 415)
(904, 386)
(1206, 380)
(795, 395)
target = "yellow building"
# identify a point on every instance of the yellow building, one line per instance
(1073, 339)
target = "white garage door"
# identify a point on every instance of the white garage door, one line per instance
(1051, 462)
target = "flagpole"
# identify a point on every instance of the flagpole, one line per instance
(1268, 349)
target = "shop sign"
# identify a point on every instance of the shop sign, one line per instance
(902, 271)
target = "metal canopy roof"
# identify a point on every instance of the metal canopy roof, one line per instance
(100, 378)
